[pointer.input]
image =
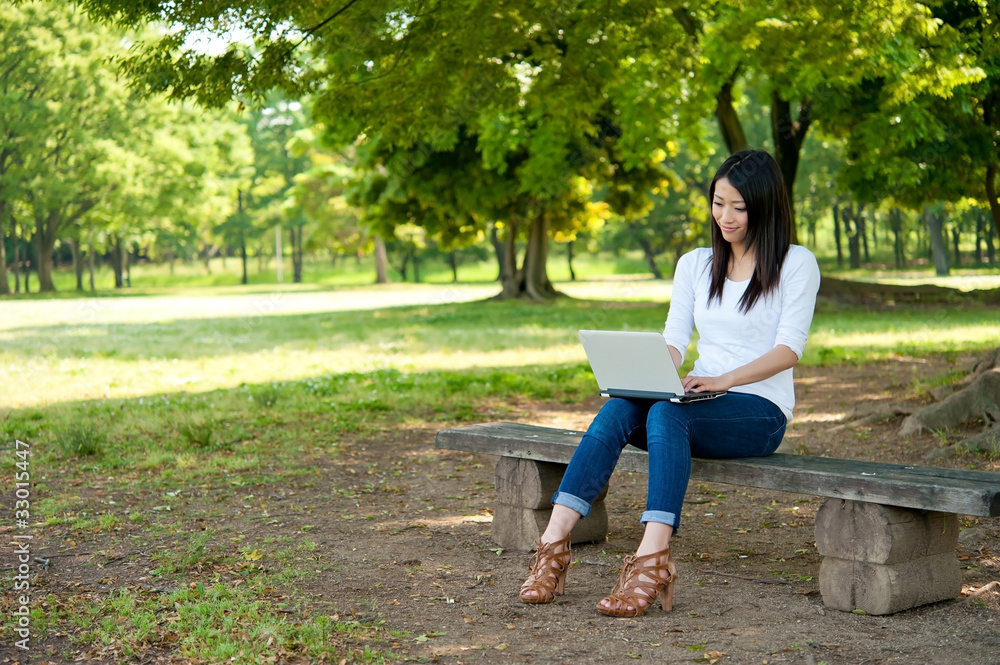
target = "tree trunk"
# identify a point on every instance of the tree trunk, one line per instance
(836, 237)
(729, 122)
(278, 254)
(243, 235)
(4, 284)
(381, 262)
(453, 263)
(569, 260)
(498, 250)
(296, 233)
(850, 215)
(17, 256)
(979, 240)
(126, 265)
(403, 265)
(649, 254)
(991, 194)
(976, 400)
(116, 263)
(935, 224)
(956, 236)
(90, 259)
(74, 244)
(536, 284)
(862, 223)
(990, 250)
(788, 135)
(510, 277)
(45, 243)
(243, 256)
(896, 225)
(206, 258)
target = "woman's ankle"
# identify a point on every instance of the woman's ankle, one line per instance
(655, 538)
(548, 538)
(652, 549)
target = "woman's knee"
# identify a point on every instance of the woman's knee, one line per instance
(618, 419)
(667, 420)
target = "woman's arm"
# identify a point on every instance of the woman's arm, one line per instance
(776, 360)
(677, 356)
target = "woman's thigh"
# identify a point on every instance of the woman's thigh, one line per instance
(733, 425)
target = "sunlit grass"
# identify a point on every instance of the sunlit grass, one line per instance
(861, 336)
(135, 347)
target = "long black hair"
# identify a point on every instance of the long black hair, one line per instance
(757, 177)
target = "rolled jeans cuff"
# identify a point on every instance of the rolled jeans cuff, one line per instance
(572, 502)
(660, 517)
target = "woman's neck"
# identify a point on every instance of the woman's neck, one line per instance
(741, 263)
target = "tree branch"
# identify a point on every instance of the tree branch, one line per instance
(688, 22)
(309, 32)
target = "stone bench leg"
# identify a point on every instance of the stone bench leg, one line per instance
(883, 559)
(524, 504)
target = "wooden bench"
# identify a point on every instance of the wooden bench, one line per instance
(887, 532)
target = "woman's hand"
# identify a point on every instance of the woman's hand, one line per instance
(776, 360)
(701, 384)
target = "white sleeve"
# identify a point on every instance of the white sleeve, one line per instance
(799, 286)
(680, 316)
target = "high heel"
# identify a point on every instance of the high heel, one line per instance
(632, 591)
(548, 567)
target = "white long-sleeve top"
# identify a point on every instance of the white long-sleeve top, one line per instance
(729, 338)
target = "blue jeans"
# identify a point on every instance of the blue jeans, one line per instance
(733, 425)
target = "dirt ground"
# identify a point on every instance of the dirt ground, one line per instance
(416, 551)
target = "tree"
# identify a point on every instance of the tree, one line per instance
(920, 141)
(539, 88)
(545, 91)
(273, 127)
(805, 60)
(56, 97)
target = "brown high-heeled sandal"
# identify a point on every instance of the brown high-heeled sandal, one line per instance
(548, 567)
(632, 596)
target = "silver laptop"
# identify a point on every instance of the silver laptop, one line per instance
(636, 365)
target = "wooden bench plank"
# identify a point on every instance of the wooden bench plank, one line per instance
(923, 488)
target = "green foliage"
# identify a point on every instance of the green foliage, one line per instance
(374, 121)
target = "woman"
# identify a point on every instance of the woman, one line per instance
(751, 297)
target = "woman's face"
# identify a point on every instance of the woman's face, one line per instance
(730, 212)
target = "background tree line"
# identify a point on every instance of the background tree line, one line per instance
(175, 130)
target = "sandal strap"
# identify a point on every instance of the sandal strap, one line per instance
(548, 568)
(632, 591)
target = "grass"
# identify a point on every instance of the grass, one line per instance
(153, 347)
(222, 623)
(151, 398)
